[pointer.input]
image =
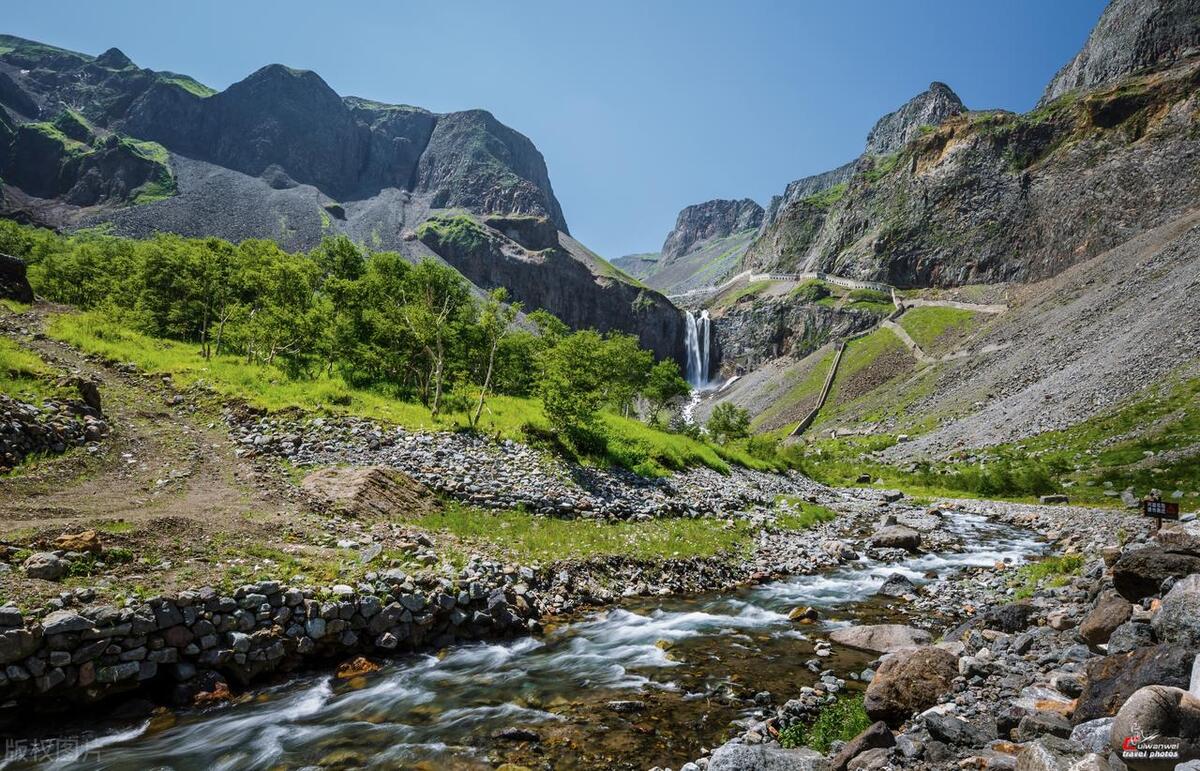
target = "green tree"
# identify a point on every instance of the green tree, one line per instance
(495, 321)
(627, 366)
(435, 306)
(573, 383)
(728, 422)
(664, 384)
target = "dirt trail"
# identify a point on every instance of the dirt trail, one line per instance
(161, 460)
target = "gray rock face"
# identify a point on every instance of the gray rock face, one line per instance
(708, 220)
(804, 187)
(928, 108)
(1178, 621)
(749, 334)
(1131, 35)
(765, 757)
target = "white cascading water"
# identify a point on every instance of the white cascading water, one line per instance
(696, 338)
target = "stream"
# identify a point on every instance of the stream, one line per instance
(648, 683)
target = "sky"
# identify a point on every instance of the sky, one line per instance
(640, 107)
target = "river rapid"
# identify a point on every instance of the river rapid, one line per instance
(651, 682)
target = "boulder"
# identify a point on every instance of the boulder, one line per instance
(876, 736)
(1113, 679)
(896, 537)
(64, 622)
(909, 681)
(897, 585)
(1011, 618)
(765, 757)
(1170, 715)
(13, 283)
(1178, 620)
(87, 541)
(880, 638)
(1054, 754)
(958, 732)
(367, 492)
(1110, 611)
(1129, 637)
(1139, 574)
(45, 565)
(1093, 734)
(878, 759)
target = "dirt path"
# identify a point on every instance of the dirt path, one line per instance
(161, 460)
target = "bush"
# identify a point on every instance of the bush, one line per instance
(811, 291)
(728, 422)
(840, 721)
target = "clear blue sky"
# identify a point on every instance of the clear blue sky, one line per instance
(640, 107)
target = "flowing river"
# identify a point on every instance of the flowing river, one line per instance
(648, 683)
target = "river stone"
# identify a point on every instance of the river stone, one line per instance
(897, 585)
(1110, 611)
(1139, 574)
(1093, 734)
(1011, 618)
(45, 565)
(878, 759)
(897, 537)
(953, 730)
(1113, 679)
(1054, 754)
(1170, 714)
(880, 638)
(1178, 621)
(765, 757)
(909, 681)
(876, 736)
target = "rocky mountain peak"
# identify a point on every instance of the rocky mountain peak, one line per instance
(114, 59)
(711, 219)
(1131, 35)
(930, 107)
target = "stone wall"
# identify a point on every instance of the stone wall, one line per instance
(195, 642)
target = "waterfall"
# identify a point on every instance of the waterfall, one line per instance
(696, 340)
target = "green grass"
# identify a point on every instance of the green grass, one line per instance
(735, 295)
(529, 538)
(860, 354)
(812, 290)
(800, 514)
(71, 147)
(1052, 571)
(23, 375)
(188, 84)
(12, 306)
(926, 324)
(840, 721)
(632, 444)
(884, 165)
(808, 387)
(826, 198)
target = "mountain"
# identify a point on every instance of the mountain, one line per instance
(98, 141)
(640, 266)
(713, 240)
(1132, 35)
(1044, 267)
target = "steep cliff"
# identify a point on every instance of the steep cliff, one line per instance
(1131, 35)
(928, 108)
(563, 278)
(705, 245)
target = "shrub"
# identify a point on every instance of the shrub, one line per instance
(840, 721)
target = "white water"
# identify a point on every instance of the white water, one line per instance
(441, 710)
(696, 338)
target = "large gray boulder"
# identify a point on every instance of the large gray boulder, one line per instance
(765, 757)
(897, 537)
(909, 681)
(1178, 621)
(45, 565)
(880, 638)
(1111, 680)
(1140, 573)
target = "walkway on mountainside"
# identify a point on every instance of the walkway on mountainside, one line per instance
(901, 306)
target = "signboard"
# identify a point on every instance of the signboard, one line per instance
(1160, 509)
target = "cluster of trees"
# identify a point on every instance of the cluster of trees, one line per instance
(415, 331)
